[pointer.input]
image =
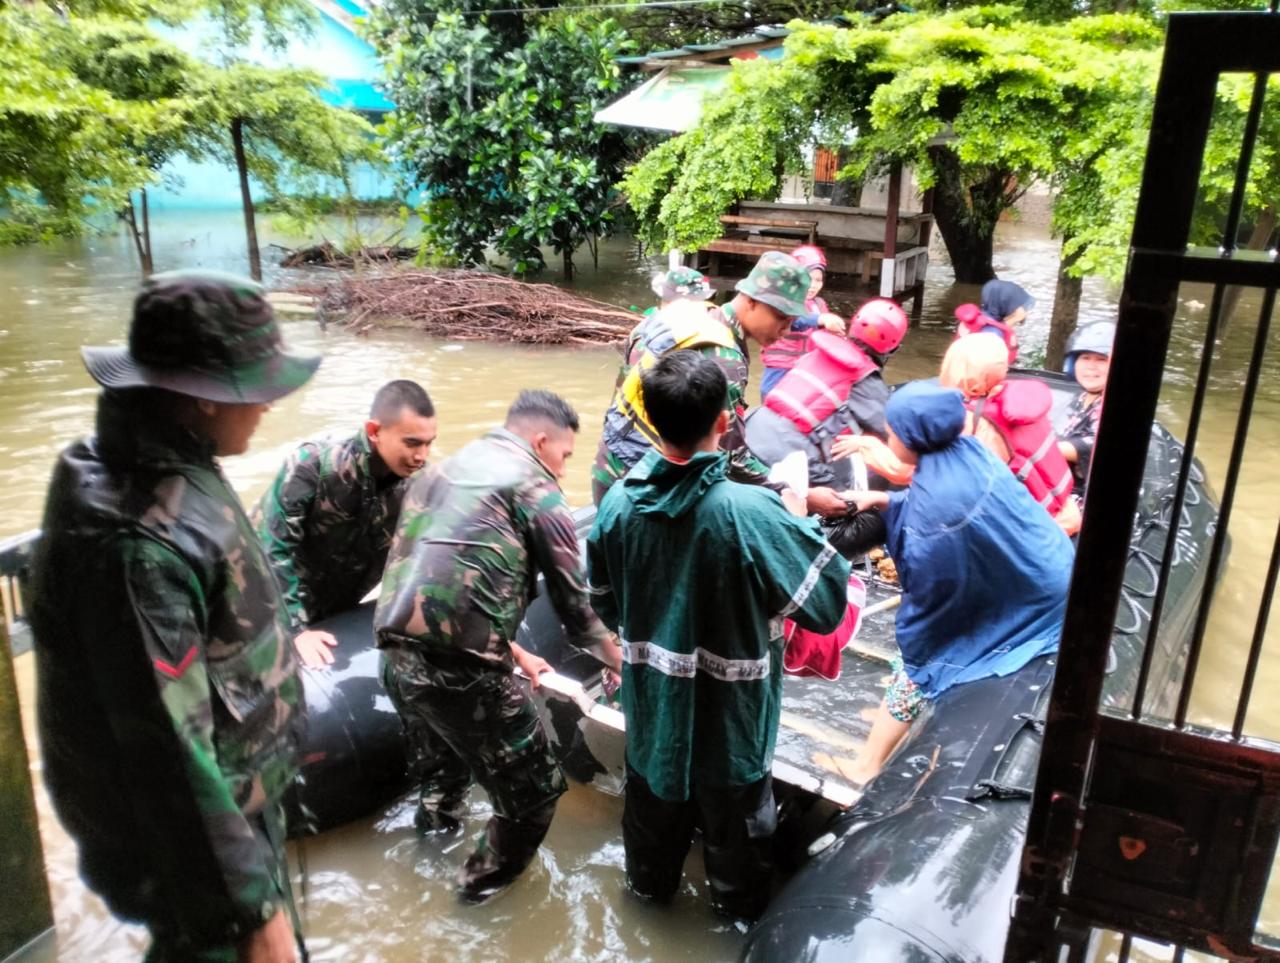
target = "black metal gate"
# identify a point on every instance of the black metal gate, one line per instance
(1144, 823)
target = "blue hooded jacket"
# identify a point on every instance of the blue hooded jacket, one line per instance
(984, 569)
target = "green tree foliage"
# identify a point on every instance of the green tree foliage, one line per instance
(1097, 221)
(496, 128)
(979, 102)
(101, 104)
(61, 156)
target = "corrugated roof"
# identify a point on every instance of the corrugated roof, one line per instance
(700, 51)
(760, 35)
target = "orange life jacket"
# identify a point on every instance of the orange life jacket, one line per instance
(975, 322)
(820, 381)
(1019, 411)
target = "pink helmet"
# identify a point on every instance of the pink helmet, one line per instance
(810, 257)
(880, 324)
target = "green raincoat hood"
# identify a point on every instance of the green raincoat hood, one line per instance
(657, 485)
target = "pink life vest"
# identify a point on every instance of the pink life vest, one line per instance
(1019, 410)
(972, 320)
(794, 345)
(820, 381)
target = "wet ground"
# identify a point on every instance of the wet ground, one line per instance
(374, 891)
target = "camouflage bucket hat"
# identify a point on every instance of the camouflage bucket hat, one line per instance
(682, 282)
(780, 281)
(206, 334)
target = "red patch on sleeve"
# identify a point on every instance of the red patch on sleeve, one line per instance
(175, 671)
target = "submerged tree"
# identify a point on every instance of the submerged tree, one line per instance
(495, 125)
(270, 125)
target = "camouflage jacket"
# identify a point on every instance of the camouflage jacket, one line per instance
(625, 439)
(473, 535)
(327, 523)
(170, 707)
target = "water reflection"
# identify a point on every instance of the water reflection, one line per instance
(375, 892)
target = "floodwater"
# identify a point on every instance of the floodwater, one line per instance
(374, 891)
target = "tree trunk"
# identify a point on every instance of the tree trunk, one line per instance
(567, 255)
(246, 200)
(1263, 228)
(1066, 311)
(148, 263)
(141, 236)
(845, 192)
(966, 216)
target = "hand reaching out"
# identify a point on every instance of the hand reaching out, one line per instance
(313, 648)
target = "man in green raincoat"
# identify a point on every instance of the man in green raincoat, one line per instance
(170, 708)
(696, 573)
(328, 518)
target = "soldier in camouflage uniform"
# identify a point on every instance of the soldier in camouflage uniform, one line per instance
(170, 708)
(767, 301)
(328, 518)
(474, 533)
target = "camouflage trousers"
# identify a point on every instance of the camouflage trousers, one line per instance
(465, 721)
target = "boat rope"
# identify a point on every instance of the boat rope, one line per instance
(990, 789)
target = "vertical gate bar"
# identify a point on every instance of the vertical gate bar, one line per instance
(1259, 636)
(1126, 947)
(1179, 498)
(1226, 504)
(1251, 123)
(1179, 953)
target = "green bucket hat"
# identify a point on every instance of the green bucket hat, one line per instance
(780, 281)
(682, 282)
(206, 334)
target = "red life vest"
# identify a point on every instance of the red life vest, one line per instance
(820, 382)
(794, 345)
(1019, 410)
(975, 322)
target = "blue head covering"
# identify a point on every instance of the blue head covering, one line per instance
(926, 416)
(1001, 298)
(984, 568)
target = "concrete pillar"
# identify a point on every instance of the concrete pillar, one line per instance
(25, 912)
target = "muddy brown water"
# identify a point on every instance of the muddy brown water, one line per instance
(375, 892)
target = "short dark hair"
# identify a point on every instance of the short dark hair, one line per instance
(684, 394)
(538, 404)
(395, 396)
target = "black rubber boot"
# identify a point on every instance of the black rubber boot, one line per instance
(505, 850)
(429, 822)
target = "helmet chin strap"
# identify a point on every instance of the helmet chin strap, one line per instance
(879, 357)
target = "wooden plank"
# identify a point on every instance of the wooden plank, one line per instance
(740, 247)
(768, 221)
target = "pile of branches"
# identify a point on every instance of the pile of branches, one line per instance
(474, 305)
(327, 254)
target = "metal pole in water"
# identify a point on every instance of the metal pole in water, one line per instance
(25, 912)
